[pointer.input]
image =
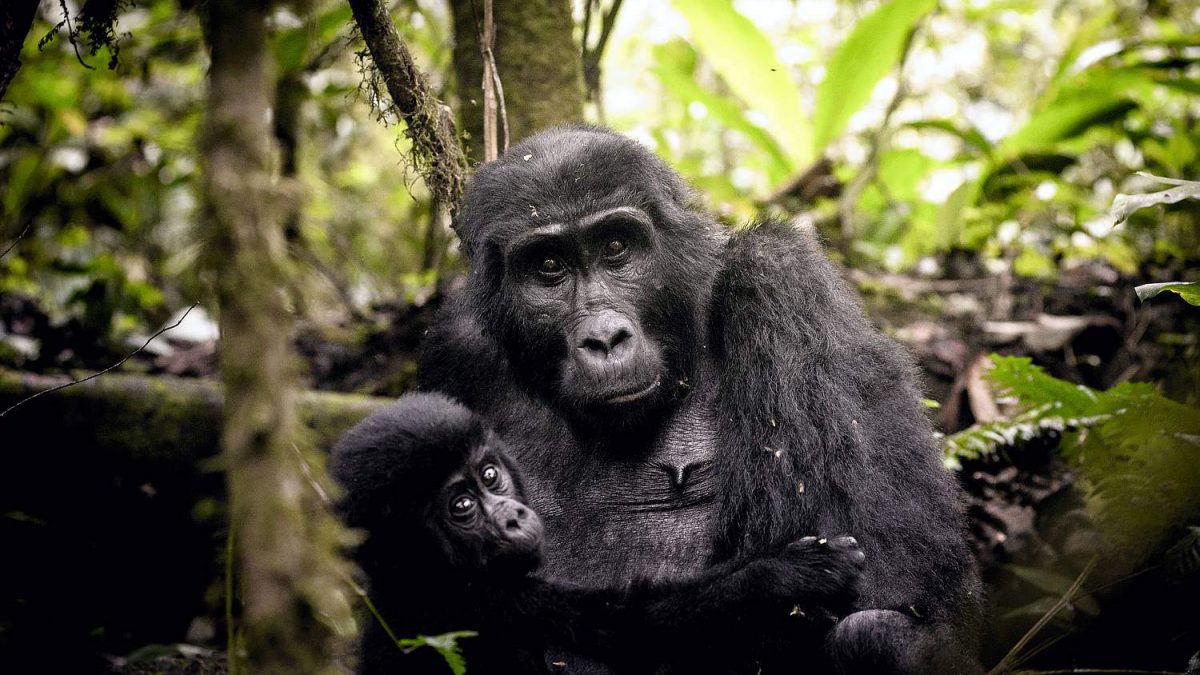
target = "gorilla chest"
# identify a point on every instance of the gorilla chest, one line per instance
(639, 515)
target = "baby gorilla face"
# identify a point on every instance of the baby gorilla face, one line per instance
(482, 519)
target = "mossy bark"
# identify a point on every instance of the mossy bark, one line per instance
(292, 578)
(16, 18)
(537, 60)
(168, 419)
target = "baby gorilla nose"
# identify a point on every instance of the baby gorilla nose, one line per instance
(515, 519)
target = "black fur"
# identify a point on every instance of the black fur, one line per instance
(431, 572)
(781, 412)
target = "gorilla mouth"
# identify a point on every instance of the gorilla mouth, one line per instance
(634, 395)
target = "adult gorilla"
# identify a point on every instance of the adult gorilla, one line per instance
(681, 396)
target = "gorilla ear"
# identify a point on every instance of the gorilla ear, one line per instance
(467, 246)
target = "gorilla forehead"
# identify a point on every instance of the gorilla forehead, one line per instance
(562, 174)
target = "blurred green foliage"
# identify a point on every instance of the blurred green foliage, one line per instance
(1002, 128)
(103, 166)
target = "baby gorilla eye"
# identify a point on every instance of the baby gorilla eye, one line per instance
(462, 506)
(614, 248)
(490, 475)
(550, 267)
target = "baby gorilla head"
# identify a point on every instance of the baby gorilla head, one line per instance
(432, 485)
(480, 514)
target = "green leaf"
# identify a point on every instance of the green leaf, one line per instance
(445, 645)
(1188, 290)
(1067, 117)
(1056, 585)
(870, 51)
(292, 46)
(677, 77)
(1088, 33)
(970, 136)
(747, 62)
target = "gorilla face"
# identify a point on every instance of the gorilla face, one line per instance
(593, 271)
(583, 285)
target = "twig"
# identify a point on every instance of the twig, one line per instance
(1008, 661)
(593, 54)
(72, 35)
(231, 658)
(15, 241)
(311, 477)
(93, 376)
(501, 106)
(486, 38)
(493, 89)
(846, 206)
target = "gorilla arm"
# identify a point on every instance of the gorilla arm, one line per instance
(823, 432)
(813, 578)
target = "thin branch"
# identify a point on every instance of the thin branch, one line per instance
(846, 206)
(231, 661)
(1006, 663)
(487, 37)
(93, 376)
(436, 151)
(501, 106)
(593, 54)
(587, 28)
(493, 88)
(311, 477)
(72, 34)
(15, 241)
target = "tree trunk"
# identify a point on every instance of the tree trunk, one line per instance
(293, 592)
(16, 18)
(537, 60)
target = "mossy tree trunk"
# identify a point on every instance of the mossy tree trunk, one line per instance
(293, 597)
(16, 18)
(536, 57)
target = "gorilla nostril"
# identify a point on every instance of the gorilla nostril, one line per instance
(512, 524)
(520, 513)
(621, 336)
(595, 346)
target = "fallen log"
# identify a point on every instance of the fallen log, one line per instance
(112, 501)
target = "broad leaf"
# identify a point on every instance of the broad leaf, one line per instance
(864, 57)
(1188, 290)
(1067, 117)
(1124, 205)
(746, 60)
(678, 79)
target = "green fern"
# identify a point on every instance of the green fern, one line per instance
(1138, 452)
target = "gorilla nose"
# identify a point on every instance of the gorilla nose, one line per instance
(606, 337)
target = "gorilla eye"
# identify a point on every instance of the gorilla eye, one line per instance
(614, 248)
(462, 506)
(490, 475)
(550, 267)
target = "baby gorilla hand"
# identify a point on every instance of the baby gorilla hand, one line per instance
(817, 577)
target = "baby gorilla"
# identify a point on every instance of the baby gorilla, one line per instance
(451, 544)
